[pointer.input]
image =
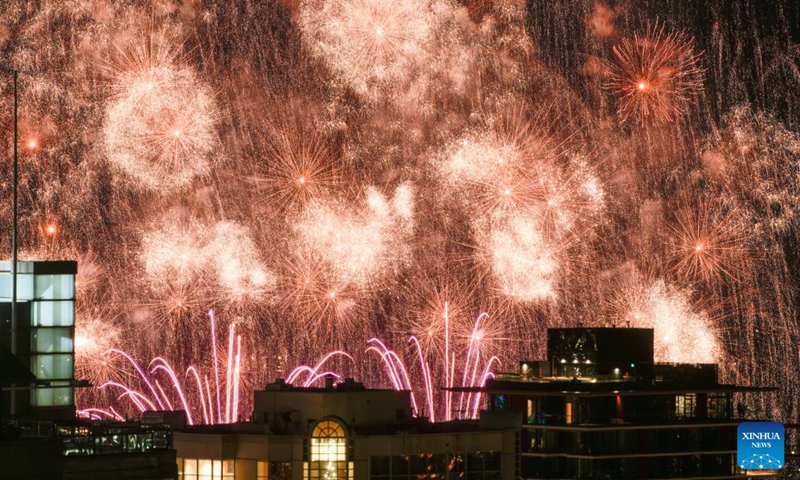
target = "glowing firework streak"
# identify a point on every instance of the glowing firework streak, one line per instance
(313, 373)
(401, 379)
(397, 370)
(99, 414)
(158, 398)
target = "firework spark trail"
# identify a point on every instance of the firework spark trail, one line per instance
(99, 414)
(313, 372)
(398, 373)
(158, 396)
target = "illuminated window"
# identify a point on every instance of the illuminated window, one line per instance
(328, 453)
(685, 405)
(204, 469)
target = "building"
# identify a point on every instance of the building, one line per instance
(345, 431)
(599, 407)
(40, 437)
(42, 339)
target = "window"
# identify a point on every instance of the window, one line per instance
(328, 453)
(430, 466)
(52, 340)
(719, 405)
(685, 405)
(48, 313)
(53, 396)
(53, 366)
(274, 471)
(205, 469)
(54, 287)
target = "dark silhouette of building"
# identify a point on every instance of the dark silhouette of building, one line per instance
(599, 408)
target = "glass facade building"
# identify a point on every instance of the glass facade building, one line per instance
(43, 337)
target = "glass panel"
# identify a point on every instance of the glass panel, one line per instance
(42, 397)
(24, 286)
(204, 469)
(62, 397)
(55, 366)
(190, 466)
(399, 465)
(54, 287)
(379, 466)
(283, 470)
(53, 313)
(227, 468)
(492, 461)
(52, 397)
(328, 429)
(52, 340)
(328, 449)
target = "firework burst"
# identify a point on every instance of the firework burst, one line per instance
(682, 334)
(362, 246)
(710, 244)
(655, 76)
(370, 44)
(159, 127)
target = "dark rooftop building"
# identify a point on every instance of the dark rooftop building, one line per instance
(599, 407)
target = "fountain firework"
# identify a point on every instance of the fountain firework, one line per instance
(325, 172)
(216, 408)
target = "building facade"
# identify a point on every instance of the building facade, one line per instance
(600, 408)
(344, 432)
(40, 438)
(43, 337)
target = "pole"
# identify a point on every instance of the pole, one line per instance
(14, 244)
(14, 232)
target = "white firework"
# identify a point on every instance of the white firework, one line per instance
(360, 246)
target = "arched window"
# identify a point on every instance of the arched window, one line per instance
(328, 453)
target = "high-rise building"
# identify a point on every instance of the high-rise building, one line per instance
(42, 338)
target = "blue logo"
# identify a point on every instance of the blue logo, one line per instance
(760, 446)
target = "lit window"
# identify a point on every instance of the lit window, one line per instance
(685, 405)
(328, 453)
(205, 469)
